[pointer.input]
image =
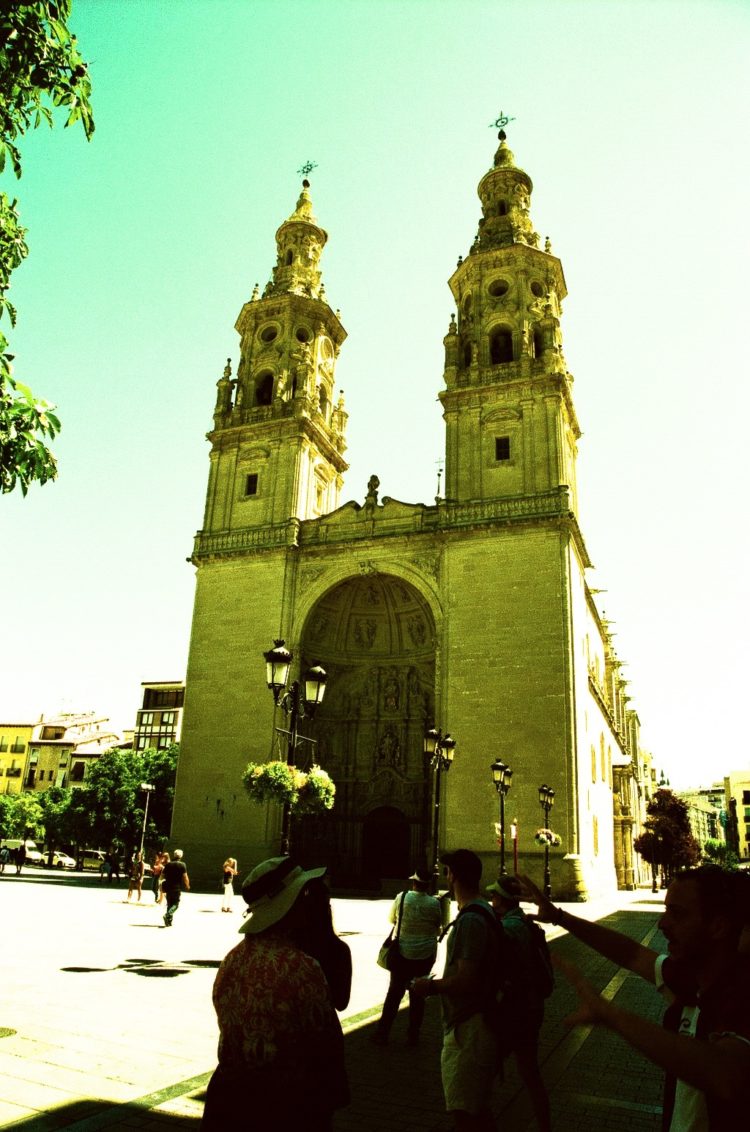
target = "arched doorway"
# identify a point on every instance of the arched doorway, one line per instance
(375, 636)
(386, 845)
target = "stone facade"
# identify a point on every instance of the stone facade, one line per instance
(472, 614)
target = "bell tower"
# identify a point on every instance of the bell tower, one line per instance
(278, 438)
(511, 428)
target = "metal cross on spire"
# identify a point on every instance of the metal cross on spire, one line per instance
(306, 169)
(500, 123)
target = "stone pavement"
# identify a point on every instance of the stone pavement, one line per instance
(106, 1019)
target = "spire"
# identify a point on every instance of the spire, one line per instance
(505, 193)
(299, 242)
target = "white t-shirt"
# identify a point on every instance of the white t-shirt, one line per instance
(420, 924)
(690, 1111)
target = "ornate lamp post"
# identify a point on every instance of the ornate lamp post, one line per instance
(546, 801)
(502, 776)
(295, 703)
(440, 750)
(148, 789)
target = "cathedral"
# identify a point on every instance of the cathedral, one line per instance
(471, 615)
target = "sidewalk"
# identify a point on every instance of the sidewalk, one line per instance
(95, 1047)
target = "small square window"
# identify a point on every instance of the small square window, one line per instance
(502, 448)
(251, 484)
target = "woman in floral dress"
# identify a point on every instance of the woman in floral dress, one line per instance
(281, 1048)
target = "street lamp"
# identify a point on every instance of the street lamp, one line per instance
(546, 801)
(502, 776)
(297, 705)
(440, 750)
(148, 789)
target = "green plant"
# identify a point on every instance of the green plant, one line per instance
(317, 792)
(276, 781)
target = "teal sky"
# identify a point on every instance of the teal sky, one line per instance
(631, 119)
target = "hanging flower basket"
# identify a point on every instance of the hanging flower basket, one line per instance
(316, 793)
(278, 782)
(547, 837)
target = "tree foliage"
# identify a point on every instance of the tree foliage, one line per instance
(20, 815)
(667, 841)
(719, 853)
(41, 70)
(107, 812)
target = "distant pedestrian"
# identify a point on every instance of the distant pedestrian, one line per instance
(4, 857)
(20, 857)
(157, 869)
(105, 869)
(135, 879)
(523, 997)
(174, 879)
(417, 919)
(229, 873)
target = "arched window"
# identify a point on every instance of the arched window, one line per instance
(538, 342)
(502, 208)
(264, 388)
(467, 355)
(323, 401)
(501, 346)
(289, 258)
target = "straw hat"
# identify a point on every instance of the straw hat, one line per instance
(271, 889)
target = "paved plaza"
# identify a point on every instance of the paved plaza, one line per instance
(106, 1019)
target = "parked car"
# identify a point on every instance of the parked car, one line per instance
(33, 856)
(92, 859)
(62, 860)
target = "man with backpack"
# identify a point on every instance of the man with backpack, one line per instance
(528, 980)
(470, 1058)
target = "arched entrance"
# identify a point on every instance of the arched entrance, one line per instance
(386, 845)
(375, 636)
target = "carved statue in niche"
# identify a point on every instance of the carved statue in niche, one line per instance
(389, 749)
(364, 632)
(372, 596)
(417, 629)
(391, 691)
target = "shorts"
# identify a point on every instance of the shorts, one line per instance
(469, 1064)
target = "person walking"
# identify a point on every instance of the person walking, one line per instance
(417, 920)
(4, 857)
(281, 1047)
(470, 1058)
(20, 857)
(230, 872)
(135, 876)
(174, 879)
(703, 1044)
(160, 859)
(523, 1000)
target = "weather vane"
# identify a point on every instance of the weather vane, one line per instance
(501, 122)
(307, 168)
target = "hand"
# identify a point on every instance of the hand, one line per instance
(422, 988)
(592, 1008)
(529, 891)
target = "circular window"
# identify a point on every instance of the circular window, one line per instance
(498, 287)
(268, 333)
(537, 289)
(302, 334)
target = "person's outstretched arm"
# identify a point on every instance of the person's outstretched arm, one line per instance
(621, 949)
(719, 1067)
